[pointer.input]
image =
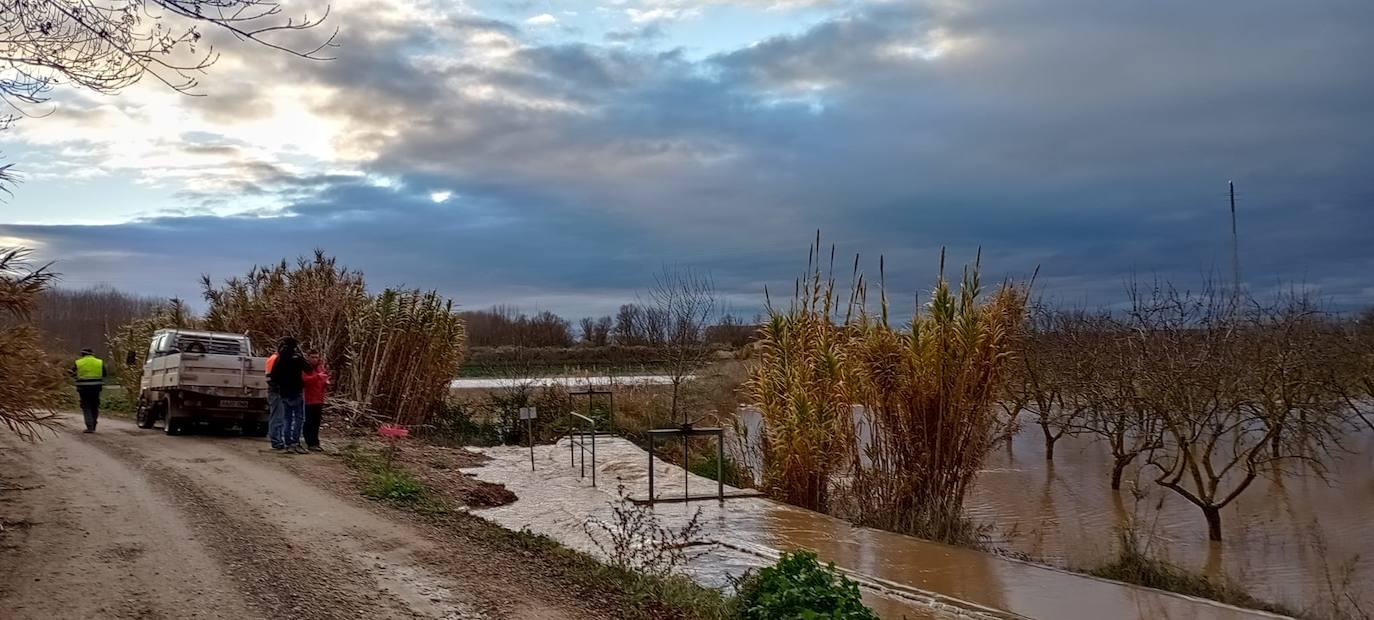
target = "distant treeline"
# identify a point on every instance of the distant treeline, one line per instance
(633, 326)
(72, 319)
(69, 320)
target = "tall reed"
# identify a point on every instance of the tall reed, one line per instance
(799, 383)
(929, 391)
(926, 392)
(30, 384)
(406, 348)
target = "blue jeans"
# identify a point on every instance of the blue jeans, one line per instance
(274, 419)
(292, 418)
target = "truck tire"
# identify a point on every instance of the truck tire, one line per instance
(144, 418)
(172, 422)
(253, 428)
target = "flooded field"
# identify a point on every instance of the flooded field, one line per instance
(1288, 542)
(903, 576)
(1298, 542)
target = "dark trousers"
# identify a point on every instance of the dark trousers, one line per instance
(312, 424)
(90, 404)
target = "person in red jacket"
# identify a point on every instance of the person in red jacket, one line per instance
(316, 386)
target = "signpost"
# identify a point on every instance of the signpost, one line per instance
(528, 414)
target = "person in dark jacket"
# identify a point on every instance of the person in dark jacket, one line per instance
(287, 375)
(316, 387)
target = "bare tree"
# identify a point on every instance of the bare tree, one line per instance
(1103, 379)
(685, 302)
(595, 332)
(109, 45)
(1212, 373)
(1038, 379)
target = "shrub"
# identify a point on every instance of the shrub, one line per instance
(454, 424)
(1134, 565)
(732, 473)
(797, 586)
(393, 485)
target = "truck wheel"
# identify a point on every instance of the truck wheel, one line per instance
(253, 428)
(172, 422)
(144, 418)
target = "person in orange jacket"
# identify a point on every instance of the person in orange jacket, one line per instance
(316, 379)
(274, 413)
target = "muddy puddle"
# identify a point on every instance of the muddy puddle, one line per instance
(903, 576)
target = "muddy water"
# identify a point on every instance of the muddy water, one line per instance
(1280, 539)
(903, 576)
(580, 382)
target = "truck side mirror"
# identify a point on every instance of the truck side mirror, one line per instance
(130, 359)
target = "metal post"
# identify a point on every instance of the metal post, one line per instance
(686, 471)
(529, 430)
(651, 469)
(720, 466)
(572, 460)
(582, 444)
(593, 425)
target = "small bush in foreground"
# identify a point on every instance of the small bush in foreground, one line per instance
(389, 483)
(799, 587)
(394, 486)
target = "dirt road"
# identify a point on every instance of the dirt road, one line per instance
(130, 523)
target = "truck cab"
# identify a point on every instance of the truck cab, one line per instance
(193, 377)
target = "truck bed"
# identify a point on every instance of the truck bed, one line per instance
(206, 373)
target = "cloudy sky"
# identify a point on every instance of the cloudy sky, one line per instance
(554, 154)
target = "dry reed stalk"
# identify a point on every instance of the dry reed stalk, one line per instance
(407, 347)
(133, 338)
(30, 384)
(798, 383)
(928, 392)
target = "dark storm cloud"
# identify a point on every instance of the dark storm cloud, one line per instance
(1093, 140)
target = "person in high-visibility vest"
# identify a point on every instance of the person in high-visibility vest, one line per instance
(89, 372)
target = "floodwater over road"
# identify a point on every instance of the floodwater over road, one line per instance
(1281, 539)
(488, 383)
(904, 576)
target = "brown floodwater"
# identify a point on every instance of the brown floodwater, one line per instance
(901, 576)
(1289, 542)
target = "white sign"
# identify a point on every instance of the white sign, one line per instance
(528, 413)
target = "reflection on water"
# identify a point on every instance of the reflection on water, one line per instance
(905, 576)
(1067, 514)
(1282, 540)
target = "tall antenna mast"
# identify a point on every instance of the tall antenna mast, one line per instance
(1235, 244)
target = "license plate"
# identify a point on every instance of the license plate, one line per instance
(236, 404)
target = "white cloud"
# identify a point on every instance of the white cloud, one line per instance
(543, 19)
(440, 196)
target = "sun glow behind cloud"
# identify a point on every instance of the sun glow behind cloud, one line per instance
(728, 131)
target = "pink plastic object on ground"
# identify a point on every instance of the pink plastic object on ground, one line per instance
(392, 431)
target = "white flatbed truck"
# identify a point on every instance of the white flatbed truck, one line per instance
(196, 377)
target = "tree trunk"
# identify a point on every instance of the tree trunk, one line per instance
(1118, 469)
(1213, 515)
(1050, 439)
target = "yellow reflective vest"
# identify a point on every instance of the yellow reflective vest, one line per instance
(90, 370)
